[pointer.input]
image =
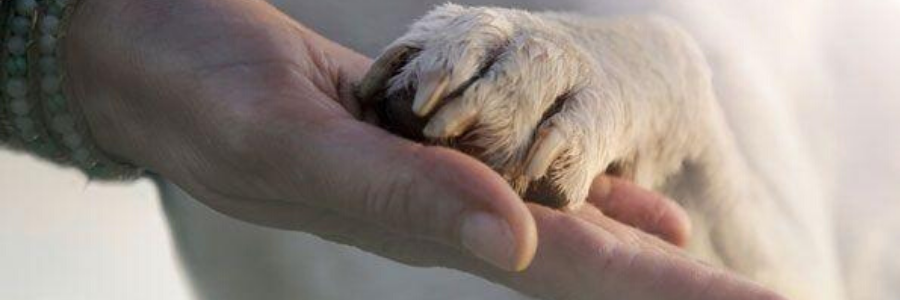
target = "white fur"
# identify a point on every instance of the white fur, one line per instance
(640, 95)
(637, 89)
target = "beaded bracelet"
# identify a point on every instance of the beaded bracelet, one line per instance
(22, 110)
(5, 126)
(43, 122)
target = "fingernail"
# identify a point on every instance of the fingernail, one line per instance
(490, 239)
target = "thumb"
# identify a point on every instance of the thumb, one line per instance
(431, 193)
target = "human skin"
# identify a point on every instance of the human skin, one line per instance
(254, 115)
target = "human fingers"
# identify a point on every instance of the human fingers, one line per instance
(651, 212)
(585, 260)
(361, 172)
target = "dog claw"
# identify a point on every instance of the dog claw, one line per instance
(381, 71)
(451, 121)
(547, 148)
(431, 90)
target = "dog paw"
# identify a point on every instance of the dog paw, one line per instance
(509, 88)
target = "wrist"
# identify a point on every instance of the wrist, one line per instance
(36, 114)
(101, 73)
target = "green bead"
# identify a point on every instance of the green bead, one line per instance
(50, 24)
(29, 135)
(16, 87)
(47, 44)
(26, 7)
(34, 146)
(81, 155)
(17, 45)
(72, 140)
(48, 149)
(24, 124)
(20, 25)
(20, 107)
(63, 124)
(47, 65)
(57, 104)
(16, 66)
(100, 171)
(50, 84)
(57, 8)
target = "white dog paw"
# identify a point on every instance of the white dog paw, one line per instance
(510, 89)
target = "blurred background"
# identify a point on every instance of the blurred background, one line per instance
(62, 237)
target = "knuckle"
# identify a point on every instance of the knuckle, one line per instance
(393, 199)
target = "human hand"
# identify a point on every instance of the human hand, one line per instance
(252, 114)
(586, 254)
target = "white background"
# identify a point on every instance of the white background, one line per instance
(62, 237)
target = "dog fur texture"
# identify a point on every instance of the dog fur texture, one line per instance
(632, 94)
